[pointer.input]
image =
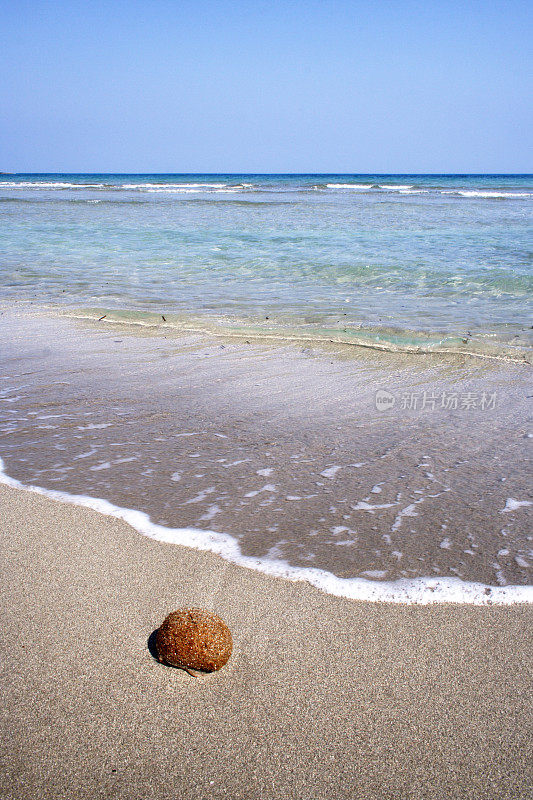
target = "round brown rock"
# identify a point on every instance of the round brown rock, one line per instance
(192, 638)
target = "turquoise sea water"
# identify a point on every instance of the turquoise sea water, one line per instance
(401, 261)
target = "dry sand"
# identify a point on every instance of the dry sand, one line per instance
(322, 698)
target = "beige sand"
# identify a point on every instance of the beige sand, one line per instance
(322, 698)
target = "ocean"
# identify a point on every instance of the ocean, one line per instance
(323, 377)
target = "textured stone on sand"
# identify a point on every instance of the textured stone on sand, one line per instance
(194, 639)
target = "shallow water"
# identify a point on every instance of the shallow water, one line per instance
(402, 262)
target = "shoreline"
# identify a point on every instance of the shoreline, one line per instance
(421, 591)
(322, 697)
(360, 341)
(279, 458)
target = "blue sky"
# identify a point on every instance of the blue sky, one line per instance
(161, 86)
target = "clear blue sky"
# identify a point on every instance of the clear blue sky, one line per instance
(234, 86)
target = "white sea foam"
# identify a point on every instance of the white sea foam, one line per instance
(396, 187)
(210, 513)
(348, 185)
(93, 426)
(408, 511)
(173, 186)
(192, 191)
(50, 185)
(362, 505)
(200, 497)
(513, 505)
(268, 487)
(145, 186)
(87, 454)
(330, 472)
(485, 193)
(423, 591)
(208, 186)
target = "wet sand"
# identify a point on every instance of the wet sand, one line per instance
(280, 447)
(322, 698)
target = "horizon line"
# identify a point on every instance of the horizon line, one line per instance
(294, 174)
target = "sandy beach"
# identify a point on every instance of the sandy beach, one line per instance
(322, 698)
(266, 355)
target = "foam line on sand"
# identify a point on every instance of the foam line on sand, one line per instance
(421, 591)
